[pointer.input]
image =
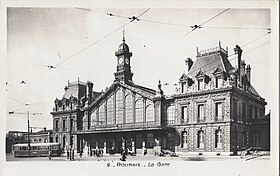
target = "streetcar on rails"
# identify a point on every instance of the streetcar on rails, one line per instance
(37, 149)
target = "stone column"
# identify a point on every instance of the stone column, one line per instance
(114, 143)
(133, 146)
(96, 144)
(105, 147)
(143, 145)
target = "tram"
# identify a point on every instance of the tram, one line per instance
(37, 149)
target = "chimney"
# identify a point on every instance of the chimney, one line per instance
(189, 63)
(89, 91)
(248, 73)
(238, 51)
(242, 69)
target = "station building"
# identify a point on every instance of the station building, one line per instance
(216, 111)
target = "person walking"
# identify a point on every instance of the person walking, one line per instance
(50, 155)
(123, 156)
(90, 153)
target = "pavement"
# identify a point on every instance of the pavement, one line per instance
(116, 157)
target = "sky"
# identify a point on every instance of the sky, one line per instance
(84, 41)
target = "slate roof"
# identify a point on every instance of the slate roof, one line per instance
(209, 63)
(76, 89)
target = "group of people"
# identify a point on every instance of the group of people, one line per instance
(96, 152)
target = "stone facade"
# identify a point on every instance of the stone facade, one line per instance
(215, 111)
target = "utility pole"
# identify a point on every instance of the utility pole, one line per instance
(28, 137)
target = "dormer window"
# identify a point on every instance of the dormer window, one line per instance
(219, 77)
(218, 82)
(200, 84)
(202, 78)
(183, 87)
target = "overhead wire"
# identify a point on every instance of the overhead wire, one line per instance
(181, 38)
(67, 58)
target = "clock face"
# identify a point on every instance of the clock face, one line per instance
(120, 60)
(127, 61)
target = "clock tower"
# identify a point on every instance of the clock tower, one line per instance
(123, 73)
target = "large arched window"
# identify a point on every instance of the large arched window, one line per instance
(119, 107)
(139, 115)
(101, 115)
(150, 113)
(128, 109)
(218, 138)
(93, 118)
(200, 139)
(171, 113)
(110, 110)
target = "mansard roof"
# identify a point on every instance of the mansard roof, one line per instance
(209, 63)
(75, 89)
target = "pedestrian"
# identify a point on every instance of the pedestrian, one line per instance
(90, 153)
(72, 154)
(68, 153)
(102, 152)
(50, 155)
(94, 152)
(97, 153)
(81, 153)
(123, 156)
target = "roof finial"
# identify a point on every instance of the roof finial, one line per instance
(219, 43)
(159, 84)
(197, 50)
(123, 35)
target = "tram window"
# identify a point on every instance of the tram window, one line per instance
(23, 148)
